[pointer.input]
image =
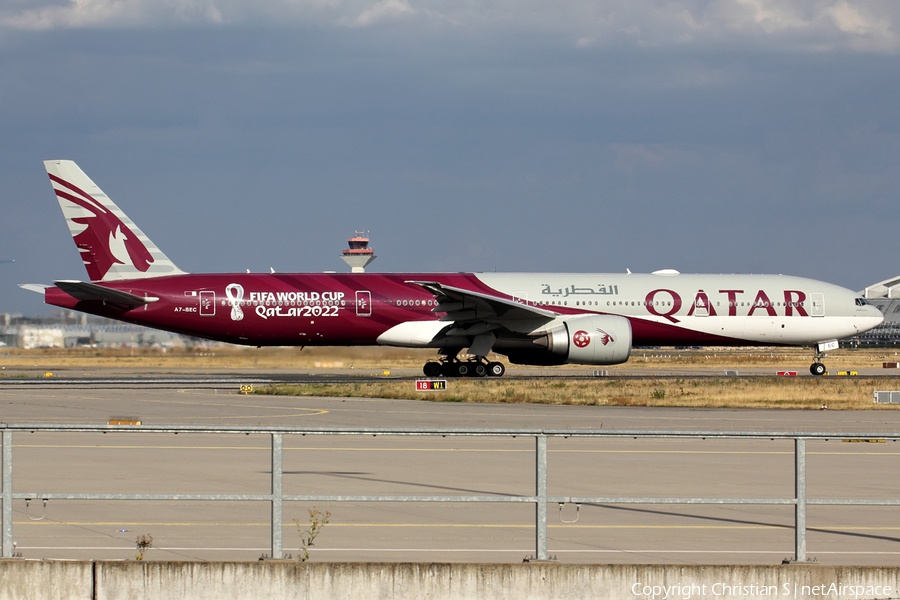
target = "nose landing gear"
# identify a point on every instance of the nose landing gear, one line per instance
(817, 368)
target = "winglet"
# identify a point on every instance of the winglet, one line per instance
(111, 246)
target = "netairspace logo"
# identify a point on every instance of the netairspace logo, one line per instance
(686, 592)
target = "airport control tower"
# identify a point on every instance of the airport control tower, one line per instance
(359, 254)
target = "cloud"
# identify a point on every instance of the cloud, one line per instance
(634, 158)
(868, 29)
(384, 10)
(848, 18)
(76, 14)
(802, 24)
(765, 15)
(822, 24)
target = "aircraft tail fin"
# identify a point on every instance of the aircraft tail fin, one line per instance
(111, 246)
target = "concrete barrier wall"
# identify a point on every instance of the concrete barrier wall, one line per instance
(372, 581)
(53, 580)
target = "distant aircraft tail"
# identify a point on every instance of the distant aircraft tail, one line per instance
(111, 246)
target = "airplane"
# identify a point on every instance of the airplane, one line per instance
(531, 318)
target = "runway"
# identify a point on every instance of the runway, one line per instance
(165, 463)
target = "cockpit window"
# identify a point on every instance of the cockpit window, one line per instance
(861, 302)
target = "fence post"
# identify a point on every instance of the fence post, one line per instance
(541, 493)
(800, 497)
(277, 496)
(7, 494)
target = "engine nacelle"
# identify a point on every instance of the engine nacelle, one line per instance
(591, 340)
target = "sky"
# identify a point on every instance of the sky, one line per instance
(707, 136)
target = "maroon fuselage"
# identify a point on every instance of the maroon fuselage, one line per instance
(327, 309)
(334, 309)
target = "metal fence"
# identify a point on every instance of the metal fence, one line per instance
(886, 397)
(540, 499)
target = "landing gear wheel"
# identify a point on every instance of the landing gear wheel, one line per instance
(462, 369)
(432, 369)
(496, 369)
(817, 369)
(448, 369)
(480, 370)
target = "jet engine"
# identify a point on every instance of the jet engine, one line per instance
(585, 340)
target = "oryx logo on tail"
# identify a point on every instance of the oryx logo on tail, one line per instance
(104, 239)
(111, 246)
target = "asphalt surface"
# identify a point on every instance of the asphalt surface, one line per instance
(240, 464)
(44, 373)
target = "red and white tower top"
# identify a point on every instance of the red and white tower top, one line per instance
(359, 254)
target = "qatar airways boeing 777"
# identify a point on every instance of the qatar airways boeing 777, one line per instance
(532, 318)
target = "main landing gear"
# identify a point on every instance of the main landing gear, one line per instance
(479, 367)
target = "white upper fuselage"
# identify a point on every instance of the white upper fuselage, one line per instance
(759, 309)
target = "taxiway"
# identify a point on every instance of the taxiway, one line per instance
(166, 463)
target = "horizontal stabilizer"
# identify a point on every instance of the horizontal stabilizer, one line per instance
(34, 287)
(81, 290)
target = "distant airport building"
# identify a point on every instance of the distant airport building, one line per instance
(885, 296)
(80, 330)
(358, 255)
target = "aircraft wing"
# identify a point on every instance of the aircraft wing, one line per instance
(465, 305)
(81, 290)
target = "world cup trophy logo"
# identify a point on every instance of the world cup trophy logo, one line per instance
(235, 294)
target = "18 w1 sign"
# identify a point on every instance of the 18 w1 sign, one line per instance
(423, 385)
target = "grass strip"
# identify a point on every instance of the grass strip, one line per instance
(726, 392)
